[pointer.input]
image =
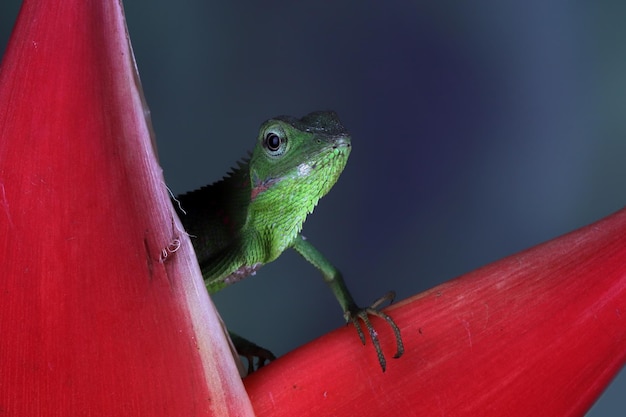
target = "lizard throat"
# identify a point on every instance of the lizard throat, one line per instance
(261, 187)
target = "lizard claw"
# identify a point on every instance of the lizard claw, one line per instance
(356, 314)
(251, 351)
(262, 355)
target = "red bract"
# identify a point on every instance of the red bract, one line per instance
(103, 309)
(540, 333)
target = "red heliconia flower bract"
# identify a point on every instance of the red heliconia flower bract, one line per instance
(539, 333)
(103, 308)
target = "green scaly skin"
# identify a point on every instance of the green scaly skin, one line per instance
(256, 212)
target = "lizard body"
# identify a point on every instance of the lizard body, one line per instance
(252, 215)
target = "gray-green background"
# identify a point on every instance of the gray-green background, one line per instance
(479, 129)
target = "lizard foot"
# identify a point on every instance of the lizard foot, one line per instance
(251, 351)
(262, 355)
(356, 314)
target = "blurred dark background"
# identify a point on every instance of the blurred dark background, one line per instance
(479, 129)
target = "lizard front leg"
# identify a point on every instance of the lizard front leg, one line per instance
(352, 312)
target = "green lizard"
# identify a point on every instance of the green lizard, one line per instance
(256, 212)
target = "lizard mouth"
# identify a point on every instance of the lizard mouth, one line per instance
(341, 142)
(327, 158)
(339, 149)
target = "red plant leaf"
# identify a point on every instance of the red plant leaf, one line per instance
(541, 332)
(102, 312)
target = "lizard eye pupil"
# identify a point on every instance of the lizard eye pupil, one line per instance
(272, 142)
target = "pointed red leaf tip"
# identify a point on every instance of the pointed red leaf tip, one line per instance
(102, 312)
(539, 333)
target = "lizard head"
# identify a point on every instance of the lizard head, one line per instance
(294, 164)
(299, 158)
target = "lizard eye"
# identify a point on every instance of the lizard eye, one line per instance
(274, 143)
